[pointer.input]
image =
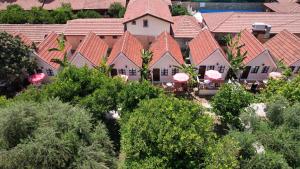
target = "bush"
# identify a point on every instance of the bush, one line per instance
(88, 14)
(179, 10)
(116, 10)
(14, 14)
(275, 110)
(38, 15)
(62, 14)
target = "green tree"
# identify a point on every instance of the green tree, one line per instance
(234, 55)
(62, 14)
(38, 15)
(14, 14)
(275, 110)
(88, 14)
(116, 10)
(147, 57)
(104, 67)
(170, 129)
(61, 48)
(179, 10)
(15, 60)
(229, 102)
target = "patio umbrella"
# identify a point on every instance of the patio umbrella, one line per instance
(275, 75)
(213, 75)
(36, 78)
(124, 77)
(181, 77)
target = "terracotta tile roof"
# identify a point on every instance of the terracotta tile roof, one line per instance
(185, 26)
(130, 47)
(238, 21)
(35, 32)
(287, 1)
(286, 46)
(76, 4)
(92, 48)
(202, 46)
(102, 26)
(163, 44)
(251, 45)
(49, 43)
(156, 8)
(283, 7)
(23, 38)
(213, 20)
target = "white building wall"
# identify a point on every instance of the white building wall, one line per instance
(166, 62)
(264, 58)
(155, 26)
(44, 66)
(122, 62)
(80, 61)
(217, 60)
(297, 68)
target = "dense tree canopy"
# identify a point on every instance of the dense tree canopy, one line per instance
(116, 10)
(39, 15)
(179, 10)
(52, 135)
(13, 14)
(88, 14)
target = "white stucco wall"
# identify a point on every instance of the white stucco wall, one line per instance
(266, 59)
(45, 66)
(80, 61)
(165, 62)
(122, 61)
(155, 26)
(215, 59)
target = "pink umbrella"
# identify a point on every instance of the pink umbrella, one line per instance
(275, 75)
(213, 75)
(181, 77)
(36, 78)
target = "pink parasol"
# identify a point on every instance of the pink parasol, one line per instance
(275, 75)
(36, 78)
(181, 77)
(213, 75)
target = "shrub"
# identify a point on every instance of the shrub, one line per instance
(179, 10)
(88, 14)
(14, 14)
(116, 10)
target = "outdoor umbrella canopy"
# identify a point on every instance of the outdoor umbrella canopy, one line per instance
(213, 75)
(275, 75)
(181, 77)
(36, 78)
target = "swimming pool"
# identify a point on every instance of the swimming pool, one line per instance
(228, 10)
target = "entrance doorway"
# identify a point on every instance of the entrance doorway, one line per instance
(156, 75)
(246, 72)
(201, 72)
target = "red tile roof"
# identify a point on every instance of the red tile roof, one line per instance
(24, 38)
(130, 47)
(156, 8)
(235, 22)
(163, 44)
(185, 27)
(76, 4)
(49, 43)
(202, 46)
(92, 48)
(35, 32)
(102, 26)
(251, 45)
(286, 46)
(283, 7)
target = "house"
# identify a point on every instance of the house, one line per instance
(44, 56)
(259, 62)
(286, 7)
(126, 57)
(108, 29)
(90, 52)
(206, 54)
(147, 19)
(184, 29)
(285, 46)
(99, 5)
(166, 55)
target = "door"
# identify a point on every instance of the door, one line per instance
(114, 72)
(201, 72)
(246, 72)
(156, 75)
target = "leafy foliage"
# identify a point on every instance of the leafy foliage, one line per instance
(88, 14)
(62, 14)
(179, 10)
(13, 14)
(38, 15)
(191, 71)
(147, 57)
(116, 10)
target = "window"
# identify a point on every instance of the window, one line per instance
(132, 72)
(102, 37)
(211, 67)
(265, 69)
(174, 71)
(122, 71)
(164, 72)
(50, 72)
(145, 23)
(298, 70)
(115, 37)
(221, 69)
(133, 23)
(255, 69)
(292, 68)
